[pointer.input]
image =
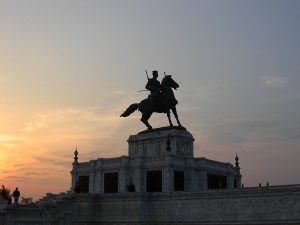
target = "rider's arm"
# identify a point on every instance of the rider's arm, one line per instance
(148, 86)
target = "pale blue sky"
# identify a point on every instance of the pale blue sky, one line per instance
(69, 68)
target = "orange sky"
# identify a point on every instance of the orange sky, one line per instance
(68, 69)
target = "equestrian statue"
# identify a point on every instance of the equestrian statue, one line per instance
(160, 100)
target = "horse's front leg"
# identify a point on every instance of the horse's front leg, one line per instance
(169, 118)
(176, 116)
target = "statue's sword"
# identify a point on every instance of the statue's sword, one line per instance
(147, 74)
(148, 79)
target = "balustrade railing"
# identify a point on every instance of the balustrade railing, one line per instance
(112, 161)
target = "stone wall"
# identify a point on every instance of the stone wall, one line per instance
(267, 205)
(21, 215)
(279, 205)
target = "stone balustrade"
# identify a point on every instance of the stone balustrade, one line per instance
(112, 161)
(152, 159)
(83, 165)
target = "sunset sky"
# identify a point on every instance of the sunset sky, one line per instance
(68, 69)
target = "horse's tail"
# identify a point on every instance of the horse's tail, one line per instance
(130, 109)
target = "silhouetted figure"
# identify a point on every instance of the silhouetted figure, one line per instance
(5, 194)
(77, 187)
(131, 186)
(153, 85)
(164, 100)
(16, 196)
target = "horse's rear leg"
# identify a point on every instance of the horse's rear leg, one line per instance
(169, 118)
(176, 116)
(145, 118)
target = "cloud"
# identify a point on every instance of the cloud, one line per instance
(49, 160)
(42, 144)
(10, 141)
(274, 81)
(31, 126)
(16, 178)
(4, 78)
(8, 138)
(240, 131)
(74, 123)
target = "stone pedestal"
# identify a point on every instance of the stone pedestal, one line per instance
(159, 160)
(176, 141)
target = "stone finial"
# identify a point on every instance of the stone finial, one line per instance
(237, 161)
(76, 156)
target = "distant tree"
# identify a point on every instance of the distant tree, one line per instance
(5, 195)
(26, 201)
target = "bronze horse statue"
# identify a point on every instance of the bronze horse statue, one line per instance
(165, 102)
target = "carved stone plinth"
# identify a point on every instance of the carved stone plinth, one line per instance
(158, 160)
(176, 141)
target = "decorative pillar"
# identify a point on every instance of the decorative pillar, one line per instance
(230, 181)
(123, 176)
(92, 176)
(195, 180)
(98, 173)
(139, 177)
(168, 179)
(190, 176)
(203, 180)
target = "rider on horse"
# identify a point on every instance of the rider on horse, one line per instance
(160, 100)
(153, 85)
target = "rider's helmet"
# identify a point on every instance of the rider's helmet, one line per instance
(155, 73)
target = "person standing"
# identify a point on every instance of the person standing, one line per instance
(16, 196)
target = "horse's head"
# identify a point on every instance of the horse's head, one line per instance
(167, 81)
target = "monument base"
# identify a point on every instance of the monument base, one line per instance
(162, 129)
(176, 141)
(159, 160)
